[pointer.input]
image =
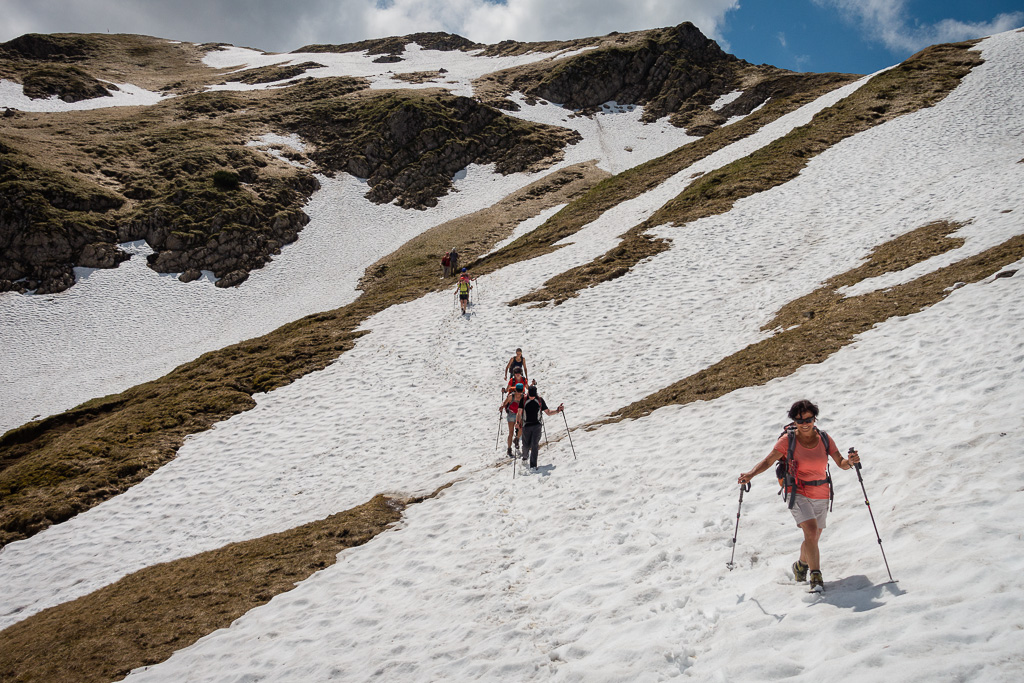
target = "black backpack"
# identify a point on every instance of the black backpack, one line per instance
(785, 469)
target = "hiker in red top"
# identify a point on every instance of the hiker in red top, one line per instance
(510, 405)
(811, 451)
(517, 378)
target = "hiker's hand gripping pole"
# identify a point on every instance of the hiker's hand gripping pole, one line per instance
(730, 564)
(856, 465)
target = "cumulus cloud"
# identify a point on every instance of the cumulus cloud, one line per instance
(887, 22)
(283, 25)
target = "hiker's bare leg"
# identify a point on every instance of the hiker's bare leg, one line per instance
(809, 554)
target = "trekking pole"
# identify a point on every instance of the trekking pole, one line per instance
(730, 564)
(570, 435)
(499, 431)
(861, 480)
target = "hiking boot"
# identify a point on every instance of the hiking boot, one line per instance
(510, 451)
(799, 571)
(817, 583)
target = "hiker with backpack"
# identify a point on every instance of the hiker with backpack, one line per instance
(511, 405)
(446, 265)
(465, 284)
(803, 452)
(517, 378)
(530, 424)
(453, 260)
(516, 361)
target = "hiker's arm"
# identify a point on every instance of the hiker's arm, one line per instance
(526, 375)
(507, 365)
(762, 466)
(557, 410)
(847, 462)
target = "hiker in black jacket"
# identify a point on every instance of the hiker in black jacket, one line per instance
(529, 420)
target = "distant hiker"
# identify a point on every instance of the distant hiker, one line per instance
(464, 286)
(806, 450)
(453, 260)
(516, 378)
(516, 361)
(529, 422)
(446, 265)
(511, 405)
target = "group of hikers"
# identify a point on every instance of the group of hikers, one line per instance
(450, 263)
(523, 408)
(801, 455)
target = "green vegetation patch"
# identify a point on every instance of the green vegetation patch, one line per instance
(824, 321)
(146, 616)
(921, 81)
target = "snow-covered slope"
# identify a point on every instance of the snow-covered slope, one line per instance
(608, 563)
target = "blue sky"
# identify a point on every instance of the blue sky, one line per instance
(858, 36)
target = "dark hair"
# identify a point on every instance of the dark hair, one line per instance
(533, 391)
(801, 407)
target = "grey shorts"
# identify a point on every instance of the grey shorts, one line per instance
(810, 508)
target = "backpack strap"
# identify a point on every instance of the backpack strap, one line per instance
(789, 485)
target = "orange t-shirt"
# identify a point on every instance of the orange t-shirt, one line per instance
(810, 464)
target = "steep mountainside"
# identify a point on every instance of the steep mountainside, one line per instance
(317, 492)
(179, 176)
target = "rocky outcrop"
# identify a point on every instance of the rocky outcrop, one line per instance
(69, 83)
(270, 74)
(47, 48)
(395, 45)
(47, 221)
(661, 72)
(409, 145)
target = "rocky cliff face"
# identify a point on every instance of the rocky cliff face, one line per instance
(409, 146)
(661, 71)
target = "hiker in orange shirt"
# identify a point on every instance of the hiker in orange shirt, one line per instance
(812, 493)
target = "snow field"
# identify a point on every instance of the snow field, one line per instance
(611, 566)
(127, 95)
(461, 67)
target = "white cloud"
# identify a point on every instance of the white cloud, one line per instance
(887, 22)
(283, 25)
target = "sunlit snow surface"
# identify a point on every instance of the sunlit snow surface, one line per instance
(610, 566)
(127, 95)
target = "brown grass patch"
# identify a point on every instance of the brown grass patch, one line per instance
(52, 469)
(922, 81)
(146, 616)
(836, 320)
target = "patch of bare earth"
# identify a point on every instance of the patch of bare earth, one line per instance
(146, 616)
(922, 81)
(821, 323)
